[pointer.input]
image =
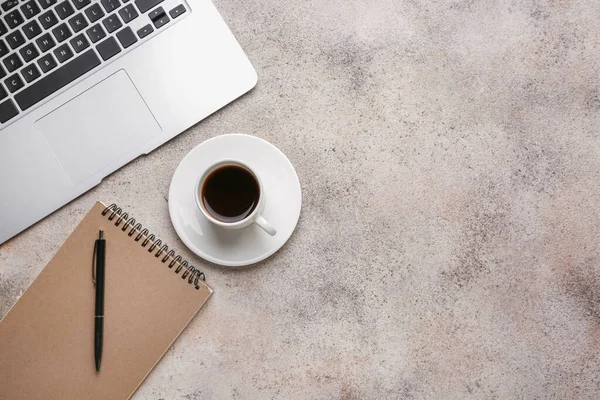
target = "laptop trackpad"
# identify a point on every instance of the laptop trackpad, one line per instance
(107, 122)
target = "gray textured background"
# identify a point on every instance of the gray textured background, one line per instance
(448, 244)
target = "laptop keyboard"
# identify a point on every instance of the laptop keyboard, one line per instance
(47, 44)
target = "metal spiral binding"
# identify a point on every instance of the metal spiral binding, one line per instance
(193, 274)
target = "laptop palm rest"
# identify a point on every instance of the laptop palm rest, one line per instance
(99, 127)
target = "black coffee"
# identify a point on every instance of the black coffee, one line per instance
(230, 193)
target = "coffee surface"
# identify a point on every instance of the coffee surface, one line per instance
(230, 193)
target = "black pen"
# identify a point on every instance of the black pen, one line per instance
(99, 251)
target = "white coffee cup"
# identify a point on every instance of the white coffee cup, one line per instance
(254, 217)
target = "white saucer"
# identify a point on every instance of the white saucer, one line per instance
(283, 199)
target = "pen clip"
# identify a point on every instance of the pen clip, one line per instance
(94, 263)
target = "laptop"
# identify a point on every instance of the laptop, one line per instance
(86, 86)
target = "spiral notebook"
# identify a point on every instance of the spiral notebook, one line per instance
(151, 294)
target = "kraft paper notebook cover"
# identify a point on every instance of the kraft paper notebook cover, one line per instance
(47, 338)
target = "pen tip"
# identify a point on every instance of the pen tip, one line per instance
(97, 365)
(101, 235)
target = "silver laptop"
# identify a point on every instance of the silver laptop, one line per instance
(86, 86)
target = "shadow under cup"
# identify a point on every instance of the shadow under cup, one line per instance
(230, 193)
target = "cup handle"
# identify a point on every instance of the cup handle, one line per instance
(260, 221)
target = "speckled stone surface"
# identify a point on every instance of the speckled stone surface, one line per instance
(449, 243)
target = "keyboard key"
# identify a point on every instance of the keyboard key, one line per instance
(156, 13)
(160, 22)
(45, 42)
(2, 73)
(46, 3)
(158, 17)
(7, 5)
(63, 53)
(48, 19)
(110, 5)
(57, 79)
(177, 11)
(64, 9)
(126, 37)
(3, 48)
(78, 22)
(62, 32)
(7, 110)
(95, 33)
(79, 4)
(128, 13)
(32, 29)
(15, 39)
(145, 5)
(3, 92)
(145, 31)
(14, 19)
(108, 48)
(12, 62)
(30, 73)
(94, 12)
(79, 43)
(47, 62)
(29, 52)
(30, 9)
(3, 28)
(112, 23)
(14, 83)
